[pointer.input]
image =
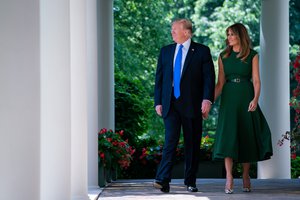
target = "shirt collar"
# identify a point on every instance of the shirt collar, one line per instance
(186, 44)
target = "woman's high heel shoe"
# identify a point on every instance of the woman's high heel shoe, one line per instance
(246, 184)
(228, 191)
(229, 186)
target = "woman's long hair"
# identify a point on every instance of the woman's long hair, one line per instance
(242, 35)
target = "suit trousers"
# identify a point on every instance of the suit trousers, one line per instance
(192, 133)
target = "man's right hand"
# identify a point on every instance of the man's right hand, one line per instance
(158, 109)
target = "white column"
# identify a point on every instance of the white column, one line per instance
(106, 64)
(78, 100)
(274, 65)
(92, 91)
(20, 100)
(55, 100)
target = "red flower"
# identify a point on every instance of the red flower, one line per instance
(122, 144)
(297, 62)
(113, 150)
(102, 155)
(102, 131)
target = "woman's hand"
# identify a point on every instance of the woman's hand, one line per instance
(252, 106)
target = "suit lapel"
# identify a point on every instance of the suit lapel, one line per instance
(171, 55)
(188, 57)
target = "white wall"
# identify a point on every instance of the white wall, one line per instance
(92, 93)
(106, 90)
(48, 59)
(43, 104)
(274, 101)
(20, 100)
(78, 100)
(55, 100)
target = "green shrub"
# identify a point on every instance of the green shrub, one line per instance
(149, 153)
(132, 107)
(295, 167)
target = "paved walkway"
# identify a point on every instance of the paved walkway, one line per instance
(209, 189)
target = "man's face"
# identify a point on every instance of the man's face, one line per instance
(179, 34)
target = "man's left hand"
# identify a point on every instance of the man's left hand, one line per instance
(206, 105)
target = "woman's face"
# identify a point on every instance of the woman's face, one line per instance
(232, 38)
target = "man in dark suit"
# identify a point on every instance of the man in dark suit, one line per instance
(184, 90)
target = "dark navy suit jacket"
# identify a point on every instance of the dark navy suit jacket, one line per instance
(197, 80)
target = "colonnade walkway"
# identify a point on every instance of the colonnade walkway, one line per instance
(209, 189)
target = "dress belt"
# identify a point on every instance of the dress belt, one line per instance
(238, 80)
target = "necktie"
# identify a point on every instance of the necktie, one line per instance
(177, 72)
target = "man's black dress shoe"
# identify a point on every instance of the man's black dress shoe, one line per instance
(164, 187)
(191, 188)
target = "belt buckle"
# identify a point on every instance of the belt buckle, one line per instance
(237, 80)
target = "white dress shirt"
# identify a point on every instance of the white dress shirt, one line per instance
(185, 48)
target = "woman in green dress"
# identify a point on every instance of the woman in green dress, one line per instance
(243, 134)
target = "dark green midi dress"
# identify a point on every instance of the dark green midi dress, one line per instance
(242, 135)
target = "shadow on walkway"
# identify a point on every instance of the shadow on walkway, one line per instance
(209, 189)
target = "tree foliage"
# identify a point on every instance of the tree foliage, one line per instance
(294, 22)
(141, 27)
(132, 107)
(211, 19)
